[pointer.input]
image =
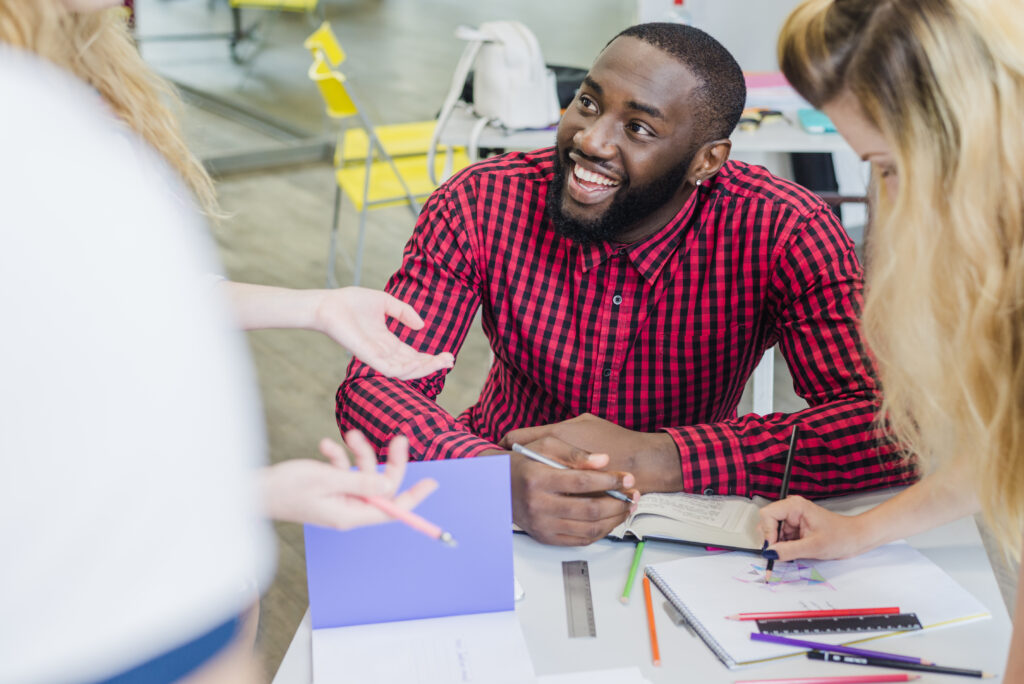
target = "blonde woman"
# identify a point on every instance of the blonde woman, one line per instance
(89, 39)
(931, 93)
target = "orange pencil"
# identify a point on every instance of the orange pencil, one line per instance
(655, 655)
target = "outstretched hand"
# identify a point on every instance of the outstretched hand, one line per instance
(329, 494)
(356, 318)
(809, 531)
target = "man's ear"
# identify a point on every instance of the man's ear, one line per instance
(709, 159)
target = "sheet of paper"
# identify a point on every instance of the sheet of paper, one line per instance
(712, 587)
(487, 648)
(391, 572)
(621, 675)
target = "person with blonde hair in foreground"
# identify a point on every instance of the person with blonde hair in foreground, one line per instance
(90, 39)
(931, 93)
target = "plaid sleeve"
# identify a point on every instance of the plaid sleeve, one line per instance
(438, 278)
(815, 293)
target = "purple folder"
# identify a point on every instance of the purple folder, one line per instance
(390, 572)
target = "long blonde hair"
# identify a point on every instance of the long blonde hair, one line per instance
(97, 48)
(943, 80)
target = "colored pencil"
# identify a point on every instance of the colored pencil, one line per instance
(833, 657)
(838, 612)
(411, 519)
(782, 495)
(854, 679)
(534, 456)
(817, 645)
(655, 654)
(632, 573)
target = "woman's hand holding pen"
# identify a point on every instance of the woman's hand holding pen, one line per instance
(329, 494)
(810, 531)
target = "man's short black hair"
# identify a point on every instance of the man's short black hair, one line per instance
(721, 92)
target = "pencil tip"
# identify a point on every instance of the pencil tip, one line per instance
(623, 600)
(447, 538)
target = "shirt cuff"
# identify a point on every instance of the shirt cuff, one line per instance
(711, 459)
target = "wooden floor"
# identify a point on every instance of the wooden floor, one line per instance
(400, 57)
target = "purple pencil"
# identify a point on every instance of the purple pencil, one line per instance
(776, 639)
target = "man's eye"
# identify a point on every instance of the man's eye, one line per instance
(639, 129)
(586, 102)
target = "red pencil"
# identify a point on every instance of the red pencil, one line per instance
(655, 654)
(855, 679)
(840, 612)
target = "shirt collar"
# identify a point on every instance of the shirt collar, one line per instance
(649, 255)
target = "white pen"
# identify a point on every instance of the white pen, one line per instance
(534, 456)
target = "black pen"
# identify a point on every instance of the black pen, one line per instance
(782, 495)
(831, 657)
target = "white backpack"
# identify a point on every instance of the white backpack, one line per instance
(512, 86)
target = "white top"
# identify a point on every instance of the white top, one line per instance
(129, 420)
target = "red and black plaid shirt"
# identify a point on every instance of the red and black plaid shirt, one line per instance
(661, 334)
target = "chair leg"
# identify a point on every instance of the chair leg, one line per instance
(332, 250)
(359, 246)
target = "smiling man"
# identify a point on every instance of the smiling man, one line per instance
(630, 280)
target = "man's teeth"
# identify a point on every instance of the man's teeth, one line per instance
(592, 177)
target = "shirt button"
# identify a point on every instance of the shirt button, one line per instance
(709, 491)
(616, 300)
(607, 372)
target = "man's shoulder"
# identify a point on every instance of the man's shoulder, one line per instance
(535, 166)
(748, 182)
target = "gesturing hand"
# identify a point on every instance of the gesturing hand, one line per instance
(327, 494)
(567, 507)
(356, 318)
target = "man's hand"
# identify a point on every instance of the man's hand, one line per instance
(652, 457)
(567, 507)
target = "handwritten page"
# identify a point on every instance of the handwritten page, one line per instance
(486, 648)
(709, 588)
(713, 511)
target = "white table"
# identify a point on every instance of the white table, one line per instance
(622, 630)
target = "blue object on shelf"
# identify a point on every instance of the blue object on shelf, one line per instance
(814, 121)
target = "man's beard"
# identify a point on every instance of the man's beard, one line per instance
(626, 210)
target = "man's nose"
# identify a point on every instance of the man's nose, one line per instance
(596, 140)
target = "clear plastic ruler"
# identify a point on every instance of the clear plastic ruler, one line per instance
(579, 606)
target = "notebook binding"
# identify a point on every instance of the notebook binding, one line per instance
(705, 636)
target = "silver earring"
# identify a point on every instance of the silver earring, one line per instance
(698, 182)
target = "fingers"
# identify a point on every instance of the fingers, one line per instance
(398, 457)
(421, 365)
(789, 511)
(365, 456)
(403, 313)
(798, 548)
(335, 453)
(413, 496)
(524, 436)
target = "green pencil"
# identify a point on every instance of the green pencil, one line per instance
(632, 573)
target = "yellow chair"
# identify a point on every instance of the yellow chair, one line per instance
(324, 40)
(375, 166)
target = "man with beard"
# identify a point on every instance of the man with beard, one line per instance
(630, 279)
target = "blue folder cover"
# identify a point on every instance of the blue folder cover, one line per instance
(391, 572)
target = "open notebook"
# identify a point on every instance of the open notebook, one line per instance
(707, 589)
(725, 521)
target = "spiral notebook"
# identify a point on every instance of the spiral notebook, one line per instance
(708, 588)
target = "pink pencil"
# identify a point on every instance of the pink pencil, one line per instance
(856, 679)
(411, 519)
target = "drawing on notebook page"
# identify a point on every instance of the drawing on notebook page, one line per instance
(787, 576)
